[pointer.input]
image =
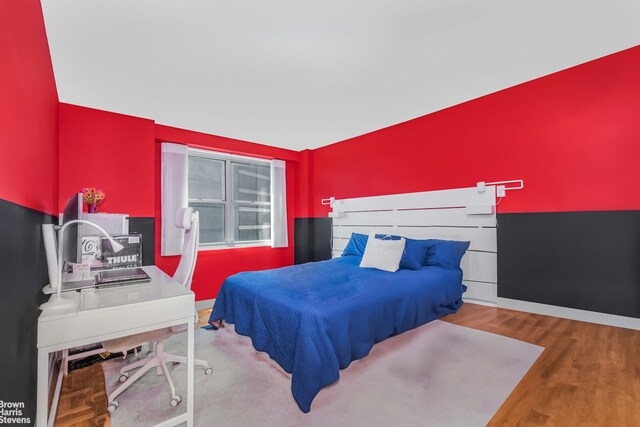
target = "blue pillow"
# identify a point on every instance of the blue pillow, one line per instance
(415, 253)
(445, 253)
(356, 245)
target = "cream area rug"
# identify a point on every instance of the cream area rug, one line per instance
(439, 374)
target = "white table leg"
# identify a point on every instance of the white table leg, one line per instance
(43, 388)
(190, 373)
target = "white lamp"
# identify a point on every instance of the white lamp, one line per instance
(57, 302)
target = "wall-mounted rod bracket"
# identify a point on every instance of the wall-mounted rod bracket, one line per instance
(328, 201)
(501, 186)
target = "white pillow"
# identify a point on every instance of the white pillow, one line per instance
(383, 254)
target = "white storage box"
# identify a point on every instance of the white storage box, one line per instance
(114, 224)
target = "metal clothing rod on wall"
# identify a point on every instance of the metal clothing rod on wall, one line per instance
(513, 181)
(502, 185)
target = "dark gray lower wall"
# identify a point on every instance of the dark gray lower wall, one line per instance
(146, 227)
(312, 239)
(23, 273)
(583, 260)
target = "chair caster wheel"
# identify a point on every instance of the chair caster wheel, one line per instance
(175, 401)
(112, 407)
(124, 377)
(208, 371)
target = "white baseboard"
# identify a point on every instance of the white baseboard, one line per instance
(570, 313)
(475, 301)
(204, 304)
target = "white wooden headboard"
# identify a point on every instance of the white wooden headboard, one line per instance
(457, 214)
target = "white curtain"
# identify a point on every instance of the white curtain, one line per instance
(278, 204)
(174, 195)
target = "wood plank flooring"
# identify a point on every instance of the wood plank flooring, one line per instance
(83, 399)
(588, 375)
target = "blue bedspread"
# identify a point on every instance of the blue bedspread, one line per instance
(315, 318)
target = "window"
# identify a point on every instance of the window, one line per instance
(233, 196)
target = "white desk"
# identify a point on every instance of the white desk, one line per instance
(111, 313)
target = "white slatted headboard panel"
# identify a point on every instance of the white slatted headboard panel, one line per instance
(444, 214)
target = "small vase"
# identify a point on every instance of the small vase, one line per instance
(91, 208)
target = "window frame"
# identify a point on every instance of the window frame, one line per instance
(228, 201)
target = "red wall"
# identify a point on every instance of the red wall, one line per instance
(130, 147)
(109, 151)
(28, 109)
(304, 203)
(221, 143)
(573, 136)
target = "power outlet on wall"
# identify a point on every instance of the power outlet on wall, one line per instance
(500, 191)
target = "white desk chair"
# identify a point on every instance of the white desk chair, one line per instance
(158, 359)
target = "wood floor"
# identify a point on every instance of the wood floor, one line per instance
(83, 399)
(588, 375)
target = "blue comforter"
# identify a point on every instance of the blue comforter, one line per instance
(315, 318)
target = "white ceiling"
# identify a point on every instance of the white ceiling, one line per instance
(302, 74)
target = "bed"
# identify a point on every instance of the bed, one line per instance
(316, 318)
